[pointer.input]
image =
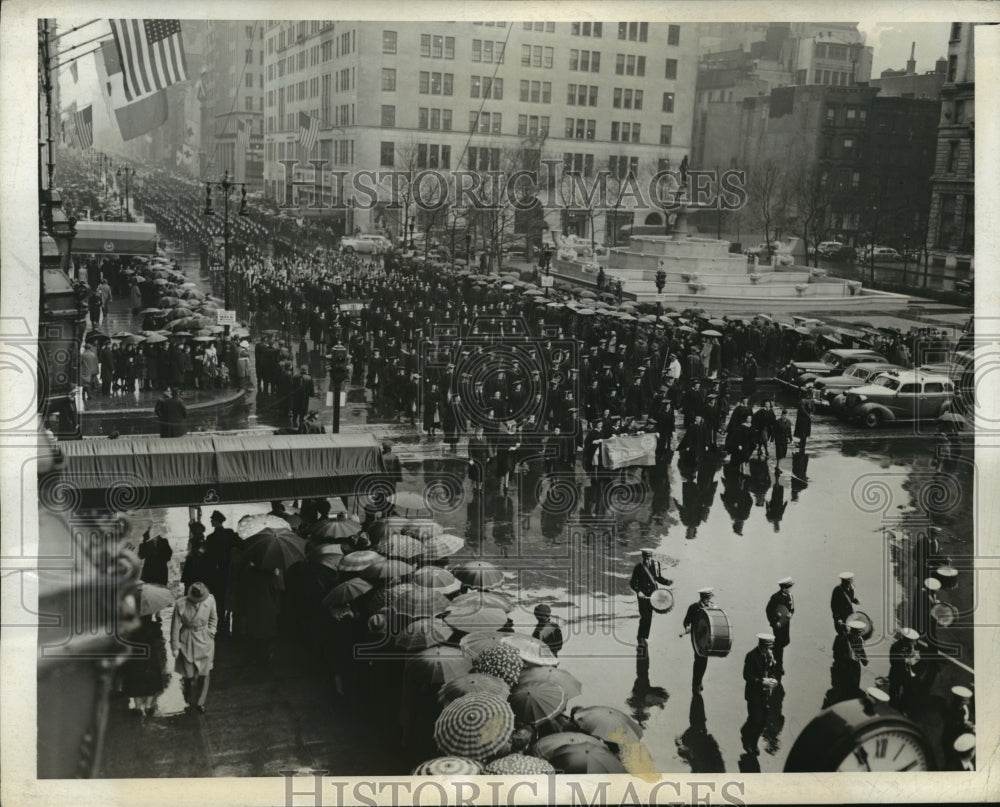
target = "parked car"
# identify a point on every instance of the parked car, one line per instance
(967, 286)
(864, 372)
(365, 243)
(897, 395)
(797, 374)
(882, 254)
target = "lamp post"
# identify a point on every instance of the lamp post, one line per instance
(227, 187)
(412, 228)
(127, 174)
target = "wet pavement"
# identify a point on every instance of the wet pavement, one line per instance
(852, 503)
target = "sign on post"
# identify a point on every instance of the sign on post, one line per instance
(547, 281)
(355, 305)
(225, 317)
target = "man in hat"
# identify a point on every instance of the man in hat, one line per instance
(174, 414)
(192, 641)
(962, 754)
(155, 553)
(903, 658)
(646, 578)
(848, 658)
(700, 661)
(221, 545)
(958, 717)
(760, 676)
(842, 602)
(779, 612)
(546, 630)
(303, 391)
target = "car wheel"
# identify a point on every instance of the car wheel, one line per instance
(349, 250)
(872, 419)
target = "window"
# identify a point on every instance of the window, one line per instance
(474, 87)
(848, 144)
(638, 100)
(586, 29)
(248, 32)
(668, 102)
(248, 103)
(831, 114)
(671, 71)
(437, 47)
(851, 113)
(388, 116)
(953, 152)
(477, 50)
(425, 45)
(909, 389)
(862, 116)
(546, 92)
(674, 35)
(388, 79)
(423, 118)
(327, 50)
(666, 135)
(959, 111)
(388, 42)
(946, 223)
(436, 120)
(522, 125)
(388, 154)
(855, 180)
(620, 64)
(249, 79)
(249, 56)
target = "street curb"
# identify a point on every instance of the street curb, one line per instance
(217, 402)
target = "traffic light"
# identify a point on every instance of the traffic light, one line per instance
(661, 281)
(338, 364)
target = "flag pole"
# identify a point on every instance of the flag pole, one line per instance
(76, 28)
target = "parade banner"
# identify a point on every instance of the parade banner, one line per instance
(625, 451)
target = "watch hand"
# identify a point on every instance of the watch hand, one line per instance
(911, 766)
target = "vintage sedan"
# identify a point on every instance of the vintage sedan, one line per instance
(796, 374)
(907, 395)
(864, 372)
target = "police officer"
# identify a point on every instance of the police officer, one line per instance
(760, 674)
(645, 577)
(903, 658)
(700, 661)
(842, 602)
(848, 658)
(779, 612)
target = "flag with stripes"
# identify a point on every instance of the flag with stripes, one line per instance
(151, 54)
(84, 119)
(134, 118)
(308, 130)
(242, 134)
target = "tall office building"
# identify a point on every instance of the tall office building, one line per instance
(461, 95)
(951, 233)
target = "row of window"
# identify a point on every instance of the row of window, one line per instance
(431, 46)
(852, 115)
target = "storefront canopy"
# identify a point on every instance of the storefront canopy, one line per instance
(134, 473)
(114, 238)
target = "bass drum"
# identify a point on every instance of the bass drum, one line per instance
(662, 600)
(711, 633)
(861, 616)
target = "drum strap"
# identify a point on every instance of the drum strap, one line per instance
(652, 579)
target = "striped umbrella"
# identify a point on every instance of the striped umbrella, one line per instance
(477, 726)
(346, 592)
(403, 547)
(472, 644)
(479, 573)
(335, 529)
(519, 765)
(534, 703)
(438, 665)
(448, 766)
(359, 561)
(436, 578)
(607, 723)
(421, 634)
(559, 677)
(442, 546)
(476, 682)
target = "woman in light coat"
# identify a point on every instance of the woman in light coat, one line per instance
(192, 641)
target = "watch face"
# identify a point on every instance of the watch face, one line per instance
(887, 749)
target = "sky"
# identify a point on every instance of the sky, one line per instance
(891, 41)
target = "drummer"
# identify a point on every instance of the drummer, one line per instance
(842, 602)
(760, 674)
(848, 658)
(779, 612)
(646, 578)
(903, 658)
(700, 661)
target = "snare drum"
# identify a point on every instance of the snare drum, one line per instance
(944, 613)
(662, 600)
(711, 633)
(861, 616)
(948, 575)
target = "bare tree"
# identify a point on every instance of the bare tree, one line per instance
(809, 199)
(768, 199)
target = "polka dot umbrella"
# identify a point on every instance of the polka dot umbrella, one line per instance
(477, 726)
(475, 682)
(519, 765)
(503, 661)
(448, 766)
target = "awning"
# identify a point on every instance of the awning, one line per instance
(114, 238)
(134, 473)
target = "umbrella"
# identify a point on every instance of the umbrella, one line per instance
(180, 312)
(584, 758)
(507, 287)
(476, 682)
(448, 766)
(477, 725)
(435, 577)
(475, 600)
(587, 293)
(403, 547)
(438, 665)
(534, 293)
(472, 644)
(585, 312)
(533, 703)
(607, 723)
(717, 323)
(552, 743)
(251, 525)
(189, 285)
(96, 336)
(468, 621)
(519, 765)
(387, 569)
(554, 675)
(335, 529)
(421, 634)
(532, 651)
(203, 339)
(385, 597)
(626, 318)
(648, 319)
(120, 334)
(710, 332)
(442, 546)
(161, 281)
(181, 333)
(417, 601)
(274, 549)
(134, 339)
(422, 528)
(479, 574)
(686, 329)
(502, 661)
(328, 555)
(151, 311)
(407, 500)
(155, 339)
(832, 338)
(153, 598)
(360, 560)
(168, 302)
(346, 592)
(765, 317)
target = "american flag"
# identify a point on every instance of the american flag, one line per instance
(308, 130)
(151, 54)
(84, 120)
(243, 134)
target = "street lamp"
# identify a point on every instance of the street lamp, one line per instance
(412, 228)
(226, 186)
